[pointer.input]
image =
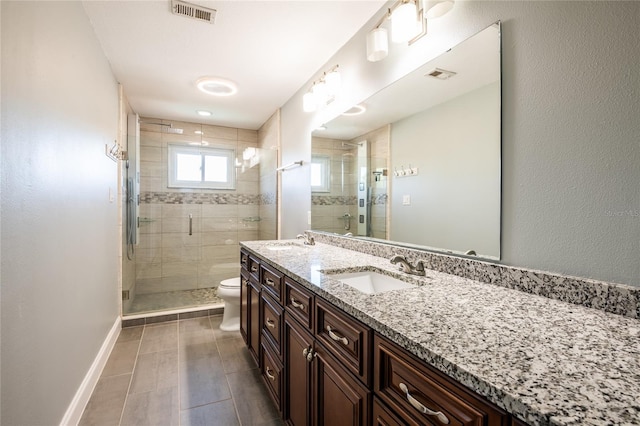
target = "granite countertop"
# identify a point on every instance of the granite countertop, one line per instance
(547, 362)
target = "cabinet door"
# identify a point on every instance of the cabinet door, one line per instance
(340, 399)
(297, 343)
(244, 305)
(254, 321)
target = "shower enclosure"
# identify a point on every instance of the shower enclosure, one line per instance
(349, 184)
(203, 189)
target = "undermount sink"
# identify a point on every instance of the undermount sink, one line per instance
(370, 281)
(283, 246)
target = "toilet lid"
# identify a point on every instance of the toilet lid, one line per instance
(231, 283)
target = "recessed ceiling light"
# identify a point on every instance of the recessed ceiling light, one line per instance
(204, 113)
(355, 110)
(217, 86)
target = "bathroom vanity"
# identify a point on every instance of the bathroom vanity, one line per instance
(444, 350)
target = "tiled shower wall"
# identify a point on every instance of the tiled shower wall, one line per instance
(167, 257)
(327, 209)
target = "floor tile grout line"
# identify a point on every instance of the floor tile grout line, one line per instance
(226, 378)
(135, 363)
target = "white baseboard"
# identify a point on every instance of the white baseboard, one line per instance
(76, 408)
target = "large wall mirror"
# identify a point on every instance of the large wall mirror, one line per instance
(421, 165)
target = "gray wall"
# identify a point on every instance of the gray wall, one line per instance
(59, 229)
(571, 146)
(455, 198)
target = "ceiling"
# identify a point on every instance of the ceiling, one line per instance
(270, 49)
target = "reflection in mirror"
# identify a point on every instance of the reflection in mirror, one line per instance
(421, 166)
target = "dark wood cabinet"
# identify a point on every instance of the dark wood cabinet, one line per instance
(271, 370)
(271, 282)
(382, 416)
(346, 338)
(244, 304)
(322, 367)
(298, 345)
(254, 320)
(272, 323)
(299, 302)
(339, 398)
(318, 389)
(419, 394)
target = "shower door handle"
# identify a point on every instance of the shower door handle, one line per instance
(190, 224)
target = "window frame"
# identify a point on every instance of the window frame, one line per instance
(173, 150)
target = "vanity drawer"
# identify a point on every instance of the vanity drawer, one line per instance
(272, 374)
(382, 416)
(298, 301)
(244, 260)
(419, 394)
(346, 338)
(253, 267)
(272, 281)
(272, 322)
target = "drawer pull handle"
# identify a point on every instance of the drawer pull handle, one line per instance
(269, 282)
(245, 282)
(254, 268)
(297, 304)
(270, 323)
(336, 337)
(417, 405)
(269, 373)
(243, 260)
(308, 354)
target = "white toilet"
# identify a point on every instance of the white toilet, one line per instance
(229, 291)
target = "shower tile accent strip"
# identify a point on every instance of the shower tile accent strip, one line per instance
(333, 200)
(345, 200)
(199, 198)
(614, 298)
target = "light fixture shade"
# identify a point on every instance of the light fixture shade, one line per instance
(404, 23)
(437, 8)
(333, 83)
(217, 86)
(377, 44)
(320, 93)
(308, 102)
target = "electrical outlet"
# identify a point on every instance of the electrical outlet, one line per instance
(406, 200)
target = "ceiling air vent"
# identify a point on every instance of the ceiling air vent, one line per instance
(194, 11)
(440, 74)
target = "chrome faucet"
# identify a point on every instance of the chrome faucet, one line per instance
(308, 239)
(406, 267)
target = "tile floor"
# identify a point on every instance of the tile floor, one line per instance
(153, 302)
(183, 373)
